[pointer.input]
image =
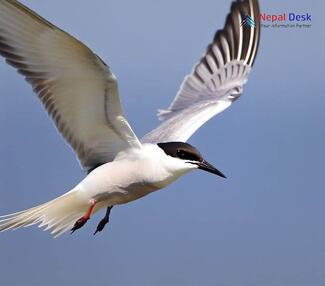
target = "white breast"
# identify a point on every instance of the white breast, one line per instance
(133, 174)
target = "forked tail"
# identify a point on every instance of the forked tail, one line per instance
(57, 216)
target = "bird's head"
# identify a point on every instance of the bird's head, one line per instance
(188, 157)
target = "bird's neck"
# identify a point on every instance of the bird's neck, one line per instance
(152, 165)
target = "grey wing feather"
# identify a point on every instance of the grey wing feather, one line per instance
(76, 87)
(216, 80)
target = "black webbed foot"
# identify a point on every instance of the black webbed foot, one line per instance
(79, 224)
(101, 225)
(104, 221)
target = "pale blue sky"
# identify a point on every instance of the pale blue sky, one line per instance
(264, 225)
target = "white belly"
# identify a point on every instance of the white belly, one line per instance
(134, 174)
(119, 182)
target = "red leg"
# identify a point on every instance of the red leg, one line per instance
(81, 221)
(90, 210)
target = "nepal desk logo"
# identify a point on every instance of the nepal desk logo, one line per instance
(249, 22)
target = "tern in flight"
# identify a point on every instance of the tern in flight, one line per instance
(80, 93)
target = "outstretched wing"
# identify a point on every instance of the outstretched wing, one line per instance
(217, 79)
(77, 88)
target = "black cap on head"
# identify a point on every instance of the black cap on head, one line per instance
(185, 151)
(181, 150)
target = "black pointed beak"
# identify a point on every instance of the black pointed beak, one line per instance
(204, 165)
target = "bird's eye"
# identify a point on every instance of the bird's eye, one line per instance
(186, 155)
(182, 154)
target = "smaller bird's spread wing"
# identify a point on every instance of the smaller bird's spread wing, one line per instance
(76, 87)
(217, 79)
